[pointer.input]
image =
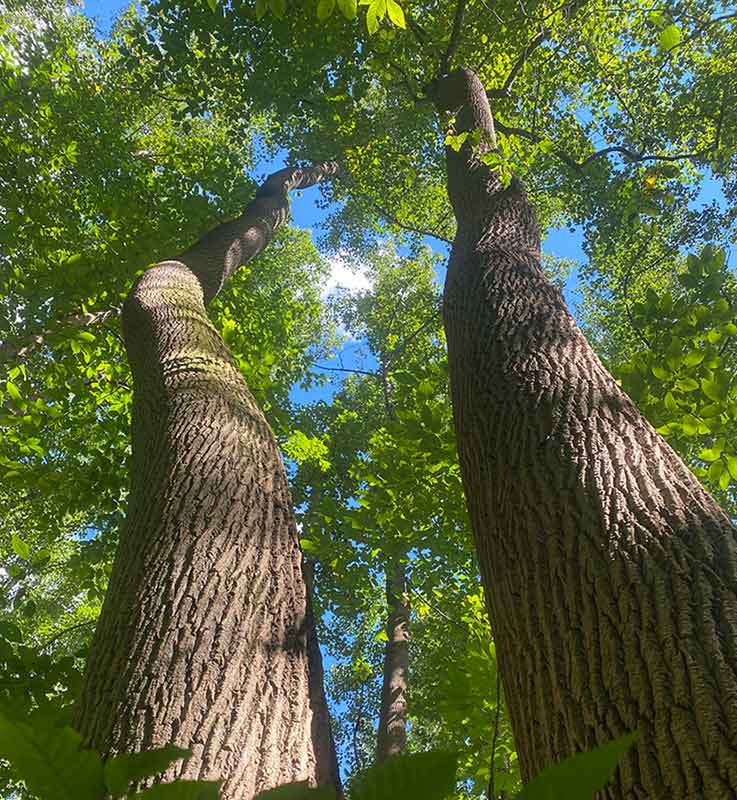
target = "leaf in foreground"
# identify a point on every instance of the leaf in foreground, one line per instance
(417, 776)
(578, 777)
(124, 769)
(50, 761)
(297, 791)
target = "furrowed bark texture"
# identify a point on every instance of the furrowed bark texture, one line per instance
(392, 734)
(206, 639)
(611, 574)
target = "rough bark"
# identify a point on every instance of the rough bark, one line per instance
(611, 574)
(205, 638)
(392, 733)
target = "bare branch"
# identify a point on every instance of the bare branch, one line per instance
(519, 64)
(345, 369)
(626, 152)
(84, 624)
(421, 231)
(394, 355)
(522, 133)
(454, 40)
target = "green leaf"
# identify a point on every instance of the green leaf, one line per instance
(20, 548)
(694, 358)
(455, 141)
(124, 769)
(715, 471)
(714, 452)
(13, 392)
(212, 5)
(396, 15)
(50, 760)
(325, 9)
(660, 372)
(418, 776)
(308, 546)
(690, 425)
(687, 384)
(375, 13)
(278, 8)
(713, 390)
(348, 8)
(10, 632)
(732, 466)
(725, 479)
(297, 791)
(669, 37)
(578, 777)
(181, 790)
(546, 146)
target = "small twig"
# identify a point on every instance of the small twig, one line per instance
(403, 345)
(437, 610)
(345, 369)
(71, 628)
(579, 166)
(407, 83)
(519, 64)
(421, 231)
(642, 250)
(490, 790)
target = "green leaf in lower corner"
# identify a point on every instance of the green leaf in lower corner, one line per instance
(50, 761)
(124, 769)
(181, 790)
(297, 791)
(578, 777)
(417, 776)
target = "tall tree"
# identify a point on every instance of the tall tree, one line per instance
(205, 638)
(611, 573)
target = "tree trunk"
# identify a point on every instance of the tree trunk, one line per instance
(392, 734)
(205, 638)
(611, 574)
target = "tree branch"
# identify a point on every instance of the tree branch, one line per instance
(517, 67)
(345, 369)
(14, 351)
(579, 166)
(85, 623)
(536, 138)
(219, 253)
(454, 40)
(421, 231)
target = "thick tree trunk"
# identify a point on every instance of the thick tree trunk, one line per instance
(392, 734)
(611, 574)
(205, 638)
